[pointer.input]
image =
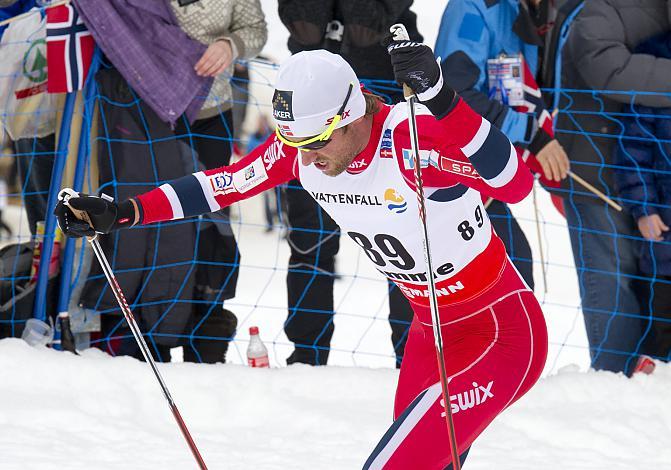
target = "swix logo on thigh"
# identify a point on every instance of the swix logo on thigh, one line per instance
(465, 400)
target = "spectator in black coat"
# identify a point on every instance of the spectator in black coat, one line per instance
(354, 29)
(599, 55)
(643, 177)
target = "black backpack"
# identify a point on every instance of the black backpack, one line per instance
(17, 293)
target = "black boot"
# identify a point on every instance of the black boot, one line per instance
(220, 324)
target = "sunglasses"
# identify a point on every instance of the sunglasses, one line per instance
(322, 140)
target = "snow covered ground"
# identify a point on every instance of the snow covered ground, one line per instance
(65, 412)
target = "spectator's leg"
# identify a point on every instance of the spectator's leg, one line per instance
(35, 161)
(314, 239)
(514, 240)
(661, 306)
(213, 142)
(268, 210)
(13, 176)
(605, 254)
(400, 316)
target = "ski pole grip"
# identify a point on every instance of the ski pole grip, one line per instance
(399, 33)
(65, 196)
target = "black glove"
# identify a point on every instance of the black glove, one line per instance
(106, 216)
(415, 65)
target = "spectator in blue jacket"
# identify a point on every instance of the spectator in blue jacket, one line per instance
(643, 178)
(475, 32)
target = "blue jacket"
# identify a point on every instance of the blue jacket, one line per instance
(473, 31)
(643, 166)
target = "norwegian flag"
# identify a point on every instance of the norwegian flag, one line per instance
(70, 49)
(535, 105)
(534, 102)
(285, 130)
(386, 153)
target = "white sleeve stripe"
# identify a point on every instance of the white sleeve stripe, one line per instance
(176, 206)
(207, 191)
(478, 139)
(508, 173)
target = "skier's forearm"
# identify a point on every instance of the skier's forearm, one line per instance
(184, 197)
(502, 175)
(267, 166)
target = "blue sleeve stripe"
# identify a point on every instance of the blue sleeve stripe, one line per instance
(190, 196)
(492, 156)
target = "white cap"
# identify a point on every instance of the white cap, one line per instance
(310, 89)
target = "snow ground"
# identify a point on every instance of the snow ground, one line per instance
(65, 412)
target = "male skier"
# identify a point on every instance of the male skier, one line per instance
(352, 154)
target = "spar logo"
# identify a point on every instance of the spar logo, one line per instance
(394, 201)
(469, 399)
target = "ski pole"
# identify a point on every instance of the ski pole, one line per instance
(65, 195)
(400, 34)
(540, 238)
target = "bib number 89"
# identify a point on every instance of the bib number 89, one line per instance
(465, 228)
(388, 249)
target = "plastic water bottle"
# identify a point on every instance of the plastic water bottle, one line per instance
(257, 353)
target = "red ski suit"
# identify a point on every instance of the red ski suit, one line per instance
(495, 340)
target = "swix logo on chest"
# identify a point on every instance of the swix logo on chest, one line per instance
(273, 153)
(464, 401)
(357, 165)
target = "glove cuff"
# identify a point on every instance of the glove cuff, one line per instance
(125, 215)
(443, 103)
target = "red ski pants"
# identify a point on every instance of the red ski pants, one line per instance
(495, 346)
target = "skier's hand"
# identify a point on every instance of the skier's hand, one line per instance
(414, 65)
(103, 215)
(215, 60)
(554, 161)
(652, 227)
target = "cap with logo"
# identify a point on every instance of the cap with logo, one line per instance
(311, 88)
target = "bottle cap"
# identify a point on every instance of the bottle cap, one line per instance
(253, 330)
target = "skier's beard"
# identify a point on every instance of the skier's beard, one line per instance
(339, 165)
